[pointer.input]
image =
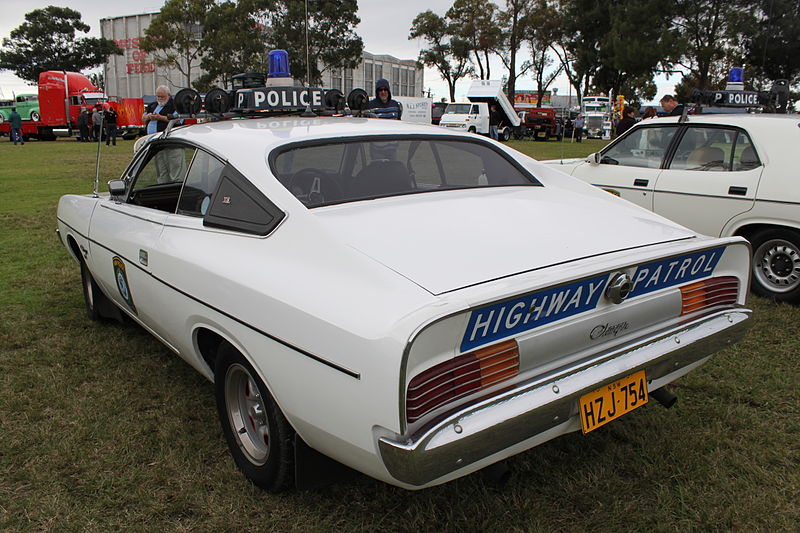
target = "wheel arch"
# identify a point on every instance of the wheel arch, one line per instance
(747, 230)
(73, 248)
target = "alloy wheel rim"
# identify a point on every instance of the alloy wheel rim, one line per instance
(777, 265)
(246, 414)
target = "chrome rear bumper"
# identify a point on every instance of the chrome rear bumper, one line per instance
(481, 430)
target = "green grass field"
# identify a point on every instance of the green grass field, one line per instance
(103, 429)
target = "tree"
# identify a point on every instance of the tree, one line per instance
(46, 41)
(708, 29)
(175, 35)
(235, 41)
(514, 21)
(331, 39)
(447, 53)
(541, 33)
(772, 44)
(475, 23)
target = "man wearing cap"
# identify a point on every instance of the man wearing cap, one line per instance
(383, 105)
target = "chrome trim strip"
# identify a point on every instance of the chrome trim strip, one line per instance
(478, 431)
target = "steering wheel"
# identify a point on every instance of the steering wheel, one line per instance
(313, 187)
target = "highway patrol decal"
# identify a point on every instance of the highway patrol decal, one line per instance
(511, 317)
(122, 282)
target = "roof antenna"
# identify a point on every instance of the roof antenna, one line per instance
(96, 192)
(308, 112)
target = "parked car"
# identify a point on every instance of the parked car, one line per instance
(719, 175)
(437, 110)
(27, 106)
(414, 303)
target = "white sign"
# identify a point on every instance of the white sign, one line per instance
(416, 109)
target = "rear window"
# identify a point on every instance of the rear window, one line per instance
(348, 170)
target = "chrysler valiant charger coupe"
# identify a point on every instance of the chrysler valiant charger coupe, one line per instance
(720, 175)
(414, 303)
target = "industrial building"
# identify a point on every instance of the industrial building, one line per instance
(135, 72)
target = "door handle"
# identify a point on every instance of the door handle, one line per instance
(639, 182)
(739, 191)
(143, 257)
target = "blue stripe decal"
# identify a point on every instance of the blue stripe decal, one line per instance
(511, 317)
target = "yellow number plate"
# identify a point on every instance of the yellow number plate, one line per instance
(611, 401)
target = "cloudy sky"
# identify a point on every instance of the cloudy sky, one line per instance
(384, 28)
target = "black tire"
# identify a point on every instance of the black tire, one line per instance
(259, 437)
(472, 129)
(776, 264)
(92, 295)
(505, 135)
(35, 116)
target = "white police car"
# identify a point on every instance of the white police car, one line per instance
(414, 303)
(720, 175)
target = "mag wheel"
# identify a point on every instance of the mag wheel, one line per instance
(776, 264)
(259, 437)
(35, 116)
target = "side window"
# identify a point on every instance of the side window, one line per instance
(201, 182)
(744, 155)
(159, 180)
(474, 110)
(643, 147)
(704, 149)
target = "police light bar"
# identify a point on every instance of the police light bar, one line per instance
(730, 98)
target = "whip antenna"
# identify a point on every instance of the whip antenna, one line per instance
(308, 112)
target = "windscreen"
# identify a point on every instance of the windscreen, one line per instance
(349, 170)
(457, 109)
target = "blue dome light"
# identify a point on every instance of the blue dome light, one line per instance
(736, 75)
(279, 64)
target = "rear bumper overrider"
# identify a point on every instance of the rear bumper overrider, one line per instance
(481, 430)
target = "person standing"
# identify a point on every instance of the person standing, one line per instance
(383, 105)
(494, 122)
(158, 113)
(578, 128)
(628, 120)
(111, 125)
(16, 126)
(97, 121)
(671, 105)
(83, 125)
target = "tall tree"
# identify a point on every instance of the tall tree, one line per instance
(175, 35)
(772, 43)
(708, 28)
(541, 34)
(47, 41)
(236, 41)
(514, 21)
(475, 22)
(446, 52)
(332, 40)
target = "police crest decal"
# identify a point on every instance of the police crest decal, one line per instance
(122, 282)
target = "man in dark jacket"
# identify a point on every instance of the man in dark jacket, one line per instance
(626, 121)
(671, 106)
(383, 105)
(158, 113)
(16, 126)
(83, 125)
(111, 125)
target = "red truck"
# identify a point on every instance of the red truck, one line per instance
(62, 95)
(540, 123)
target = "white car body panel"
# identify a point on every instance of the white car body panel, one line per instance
(339, 307)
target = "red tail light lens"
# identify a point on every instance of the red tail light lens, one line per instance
(709, 293)
(463, 375)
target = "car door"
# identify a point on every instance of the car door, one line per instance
(711, 177)
(630, 166)
(125, 233)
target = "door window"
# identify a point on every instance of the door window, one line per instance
(642, 147)
(704, 148)
(159, 181)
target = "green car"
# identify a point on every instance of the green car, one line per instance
(27, 106)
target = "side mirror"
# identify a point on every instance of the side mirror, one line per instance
(116, 187)
(594, 158)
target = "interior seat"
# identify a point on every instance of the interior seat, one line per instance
(706, 158)
(381, 178)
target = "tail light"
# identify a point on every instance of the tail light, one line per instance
(461, 376)
(709, 293)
